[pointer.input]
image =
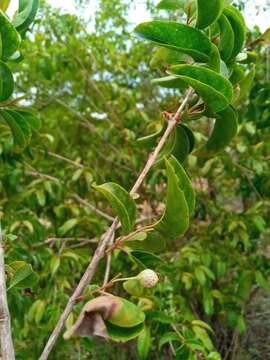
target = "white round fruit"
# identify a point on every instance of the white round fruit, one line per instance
(148, 278)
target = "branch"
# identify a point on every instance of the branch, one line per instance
(7, 350)
(100, 251)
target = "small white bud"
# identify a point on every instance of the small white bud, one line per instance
(148, 278)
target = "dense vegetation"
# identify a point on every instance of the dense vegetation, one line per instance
(90, 83)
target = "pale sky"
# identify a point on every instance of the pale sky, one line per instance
(139, 12)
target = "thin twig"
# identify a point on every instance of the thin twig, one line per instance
(108, 263)
(92, 207)
(7, 350)
(100, 251)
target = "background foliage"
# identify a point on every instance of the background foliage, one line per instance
(91, 84)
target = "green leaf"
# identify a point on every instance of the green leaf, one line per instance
(146, 259)
(144, 343)
(23, 124)
(6, 82)
(26, 15)
(176, 36)
(225, 129)
(214, 62)
(168, 147)
(37, 311)
(55, 264)
(23, 277)
(149, 141)
(118, 333)
(134, 287)
(10, 38)
(185, 183)
(239, 28)
(160, 317)
(182, 144)
(175, 219)
(122, 203)
(67, 226)
(202, 324)
(168, 337)
(262, 281)
(33, 120)
(128, 315)
(204, 337)
(170, 82)
(208, 12)
(18, 135)
(152, 243)
(215, 90)
(226, 44)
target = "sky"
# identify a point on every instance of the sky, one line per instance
(140, 14)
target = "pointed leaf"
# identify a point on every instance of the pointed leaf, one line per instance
(26, 15)
(122, 203)
(23, 124)
(144, 343)
(239, 28)
(118, 333)
(146, 259)
(33, 120)
(208, 12)
(215, 90)
(18, 135)
(226, 44)
(245, 86)
(168, 337)
(23, 277)
(182, 144)
(10, 38)
(67, 226)
(176, 36)
(164, 57)
(6, 82)
(225, 129)
(175, 219)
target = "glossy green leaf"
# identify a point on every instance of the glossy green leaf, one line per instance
(175, 219)
(225, 129)
(67, 226)
(26, 15)
(182, 144)
(176, 36)
(150, 140)
(239, 28)
(226, 44)
(215, 90)
(208, 12)
(168, 337)
(168, 147)
(152, 243)
(118, 333)
(32, 119)
(184, 183)
(215, 60)
(134, 287)
(10, 38)
(144, 343)
(122, 203)
(17, 133)
(204, 337)
(23, 123)
(127, 315)
(23, 277)
(190, 136)
(6, 82)
(146, 259)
